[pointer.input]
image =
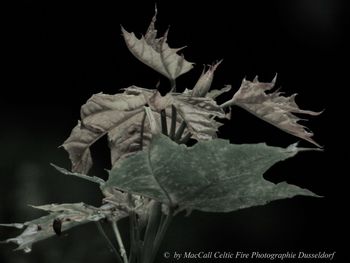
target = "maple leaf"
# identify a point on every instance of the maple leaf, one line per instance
(272, 107)
(213, 176)
(156, 53)
(61, 217)
(122, 118)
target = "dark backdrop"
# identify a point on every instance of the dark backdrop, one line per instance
(56, 55)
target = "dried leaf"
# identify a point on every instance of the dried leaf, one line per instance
(122, 117)
(68, 216)
(197, 112)
(204, 82)
(272, 107)
(213, 176)
(94, 179)
(213, 94)
(155, 52)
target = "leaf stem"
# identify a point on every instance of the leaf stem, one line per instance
(227, 104)
(142, 130)
(151, 232)
(180, 131)
(185, 139)
(134, 255)
(120, 242)
(134, 238)
(161, 232)
(163, 122)
(109, 242)
(172, 85)
(173, 122)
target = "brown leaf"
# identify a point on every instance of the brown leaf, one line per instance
(61, 217)
(122, 117)
(204, 82)
(272, 107)
(156, 53)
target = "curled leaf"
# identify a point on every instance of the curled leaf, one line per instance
(62, 217)
(213, 94)
(272, 107)
(204, 82)
(156, 53)
(213, 176)
(119, 116)
(122, 118)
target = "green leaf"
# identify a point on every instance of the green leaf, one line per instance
(68, 215)
(213, 176)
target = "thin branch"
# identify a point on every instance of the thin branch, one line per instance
(172, 85)
(151, 232)
(163, 122)
(135, 241)
(180, 131)
(161, 232)
(142, 130)
(109, 242)
(120, 242)
(186, 138)
(173, 122)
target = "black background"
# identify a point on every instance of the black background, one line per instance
(56, 55)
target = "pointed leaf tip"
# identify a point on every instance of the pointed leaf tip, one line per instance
(61, 217)
(204, 82)
(155, 52)
(93, 179)
(273, 108)
(214, 176)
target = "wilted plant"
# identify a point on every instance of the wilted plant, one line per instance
(154, 174)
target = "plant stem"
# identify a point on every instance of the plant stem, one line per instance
(142, 130)
(151, 232)
(163, 122)
(173, 122)
(134, 255)
(161, 233)
(135, 242)
(172, 85)
(120, 242)
(180, 131)
(185, 139)
(227, 104)
(109, 242)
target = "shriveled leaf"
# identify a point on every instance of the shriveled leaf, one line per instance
(272, 107)
(204, 82)
(68, 216)
(122, 118)
(156, 53)
(94, 179)
(213, 94)
(197, 112)
(213, 176)
(78, 146)
(155, 129)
